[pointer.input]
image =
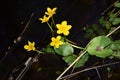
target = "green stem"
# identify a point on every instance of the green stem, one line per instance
(50, 27)
(78, 47)
(70, 41)
(40, 52)
(53, 21)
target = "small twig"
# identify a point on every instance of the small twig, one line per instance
(27, 64)
(87, 69)
(71, 65)
(28, 23)
(98, 73)
(109, 7)
(10, 48)
(78, 47)
(113, 31)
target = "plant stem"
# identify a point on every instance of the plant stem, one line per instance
(70, 41)
(109, 7)
(113, 31)
(50, 27)
(40, 52)
(78, 47)
(53, 21)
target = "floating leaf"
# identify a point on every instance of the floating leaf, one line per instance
(64, 50)
(98, 46)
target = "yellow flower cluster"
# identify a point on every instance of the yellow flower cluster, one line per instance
(50, 12)
(62, 28)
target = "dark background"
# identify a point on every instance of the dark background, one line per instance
(14, 15)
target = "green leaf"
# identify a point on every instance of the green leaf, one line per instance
(107, 24)
(64, 50)
(71, 58)
(49, 49)
(116, 21)
(115, 45)
(117, 4)
(89, 33)
(82, 61)
(116, 54)
(98, 46)
(101, 20)
(112, 16)
(95, 27)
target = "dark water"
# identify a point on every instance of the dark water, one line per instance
(13, 18)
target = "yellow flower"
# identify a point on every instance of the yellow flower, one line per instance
(30, 46)
(50, 12)
(63, 28)
(56, 41)
(44, 19)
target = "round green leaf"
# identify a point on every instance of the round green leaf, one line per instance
(98, 46)
(64, 50)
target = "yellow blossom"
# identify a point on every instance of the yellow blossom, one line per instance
(50, 12)
(44, 19)
(63, 28)
(56, 41)
(30, 46)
